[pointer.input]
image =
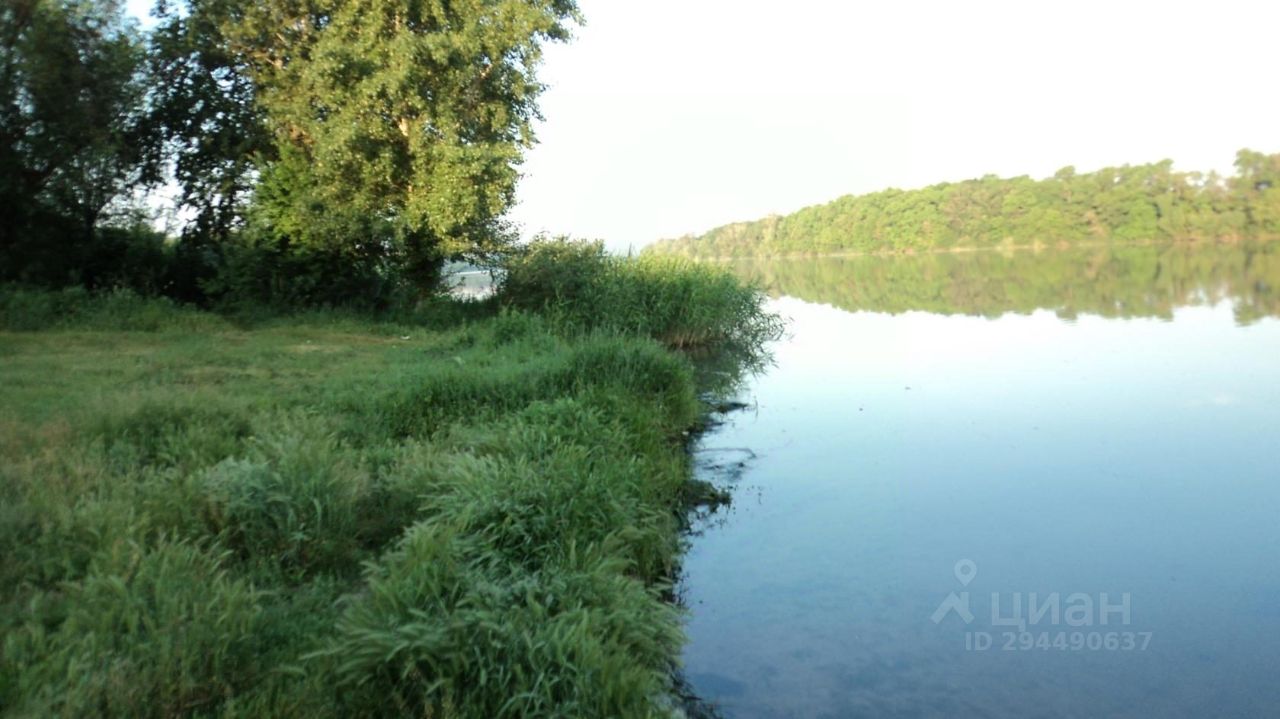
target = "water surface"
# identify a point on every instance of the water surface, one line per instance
(986, 427)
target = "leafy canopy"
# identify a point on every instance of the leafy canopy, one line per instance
(399, 123)
(72, 134)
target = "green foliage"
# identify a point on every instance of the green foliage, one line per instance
(73, 140)
(149, 632)
(171, 435)
(116, 310)
(329, 152)
(680, 303)
(292, 501)
(260, 269)
(326, 515)
(445, 630)
(1114, 204)
(382, 125)
(557, 599)
(549, 273)
(204, 109)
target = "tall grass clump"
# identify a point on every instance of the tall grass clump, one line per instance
(292, 500)
(684, 304)
(532, 586)
(150, 632)
(445, 631)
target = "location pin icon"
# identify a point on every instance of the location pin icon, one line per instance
(966, 570)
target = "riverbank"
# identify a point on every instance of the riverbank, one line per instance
(475, 512)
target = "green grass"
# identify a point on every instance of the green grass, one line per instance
(684, 304)
(471, 514)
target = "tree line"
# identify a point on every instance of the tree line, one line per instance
(323, 151)
(1123, 204)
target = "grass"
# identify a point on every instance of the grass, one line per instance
(684, 304)
(473, 514)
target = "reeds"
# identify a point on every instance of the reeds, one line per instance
(683, 304)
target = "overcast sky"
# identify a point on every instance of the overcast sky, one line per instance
(671, 116)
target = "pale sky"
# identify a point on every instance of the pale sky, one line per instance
(667, 117)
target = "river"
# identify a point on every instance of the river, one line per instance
(1008, 485)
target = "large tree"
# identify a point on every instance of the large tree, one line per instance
(72, 133)
(395, 126)
(203, 104)
(1258, 185)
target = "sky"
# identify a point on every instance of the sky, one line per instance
(669, 117)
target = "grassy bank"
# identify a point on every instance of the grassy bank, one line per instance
(470, 512)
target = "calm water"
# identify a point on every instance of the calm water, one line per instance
(945, 434)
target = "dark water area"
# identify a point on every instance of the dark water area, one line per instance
(1011, 486)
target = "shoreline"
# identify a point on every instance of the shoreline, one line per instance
(454, 509)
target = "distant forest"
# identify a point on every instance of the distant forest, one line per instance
(1121, 204)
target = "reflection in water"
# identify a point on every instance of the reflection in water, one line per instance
(1128, 454)
(1122, 281)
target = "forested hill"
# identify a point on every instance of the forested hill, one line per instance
(1125, 204)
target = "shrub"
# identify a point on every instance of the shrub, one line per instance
(270, 272)
(678, 302)
(553, 274)
(121, 309)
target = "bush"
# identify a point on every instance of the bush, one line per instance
(554, 274)
(76, 308)
(258, 272)
(55, 252)
(678, 302)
